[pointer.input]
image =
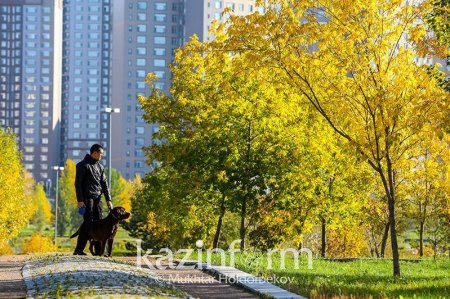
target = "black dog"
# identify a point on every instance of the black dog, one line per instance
(104, 230)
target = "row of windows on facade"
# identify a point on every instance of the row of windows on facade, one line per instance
(89, 62)
(143, 62)
(42, 114)
(158, 17)
(10, 47)
(90, 89)
(137, 153)
(90, 45)
(32, 122)
(89, 135)
(160, 6)
(11, 124)
(158, 40)
(95, 36)
(89, 54)
(8, 96)
(143, 51)
(90, 8)
(30, 167)
(88, 116)
(140, 74)
(77, 125)
(31, 104)
(17, 113)
(31, 140)
(28, 18)
(31, 131)
(91, 17)
(176, 29)
(91, 26)
(31, 149)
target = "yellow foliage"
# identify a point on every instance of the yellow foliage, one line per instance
(39, 243)
(5, 249)
(346, 242)
(15, 205)
(41, 203)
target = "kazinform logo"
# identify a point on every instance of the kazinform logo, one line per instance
(165, 260)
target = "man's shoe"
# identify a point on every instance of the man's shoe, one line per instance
(79, 253)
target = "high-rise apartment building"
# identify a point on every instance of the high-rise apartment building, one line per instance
(199, 14)
(86, 80)
(30, 80)
(146, 34)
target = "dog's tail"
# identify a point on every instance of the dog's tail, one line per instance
(75, 234)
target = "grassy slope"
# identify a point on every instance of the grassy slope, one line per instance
(360, 279)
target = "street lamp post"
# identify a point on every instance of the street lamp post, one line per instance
(110, 110)
(58, 169)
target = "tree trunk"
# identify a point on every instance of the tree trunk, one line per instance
(385, 238)
(375, 244)
(219, 223)
(324, 243)
(421, 226)
(242, 230)
(390, 193)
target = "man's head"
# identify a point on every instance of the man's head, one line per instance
(97, 152)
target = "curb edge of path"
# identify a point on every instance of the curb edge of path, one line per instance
(256, 285)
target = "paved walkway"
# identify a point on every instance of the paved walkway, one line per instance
(11, 282)
(193, 281)
(197, 283)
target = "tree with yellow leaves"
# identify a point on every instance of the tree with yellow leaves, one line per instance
(226, 129)
(353, 61)
(43, 210)
(15, 207)
(427, 182)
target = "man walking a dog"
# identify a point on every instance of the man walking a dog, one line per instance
(90, 184)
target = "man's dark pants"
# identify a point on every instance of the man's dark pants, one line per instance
(93, 213)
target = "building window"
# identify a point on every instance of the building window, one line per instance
(141, 28)
(159, 51)
(160, 40)
(139, 141)
(160, 6)
(160, 28)
(160, 17)
(141, 51)
(159, 62)
(141, 39)
(141, 62)
(142, 17)
(160, 74)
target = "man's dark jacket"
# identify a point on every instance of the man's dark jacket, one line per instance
(90, 180)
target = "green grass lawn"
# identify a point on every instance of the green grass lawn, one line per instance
(357, 279)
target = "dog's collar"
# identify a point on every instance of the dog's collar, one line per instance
(114, 216)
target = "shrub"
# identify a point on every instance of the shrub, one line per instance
(5, 249)
(39, 243)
